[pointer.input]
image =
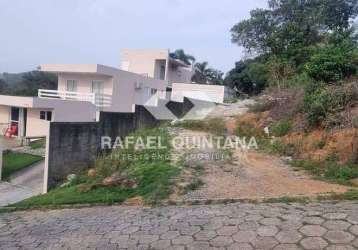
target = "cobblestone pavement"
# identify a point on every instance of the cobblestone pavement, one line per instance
(234, 226)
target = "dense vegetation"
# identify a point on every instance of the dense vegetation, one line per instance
(26, 84)
(295, 42)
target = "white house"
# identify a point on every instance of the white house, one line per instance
(85, 90)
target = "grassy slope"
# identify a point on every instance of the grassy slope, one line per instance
(13, 162)
(152, 175)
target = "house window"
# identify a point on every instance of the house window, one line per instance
(153, 91)
(98, 87)
(46, 115)
(71, 85)
(15, 114)
(162, 72)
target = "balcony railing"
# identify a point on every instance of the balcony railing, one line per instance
(100, 100)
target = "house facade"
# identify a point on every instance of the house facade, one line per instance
(158, 64)
(84, 90)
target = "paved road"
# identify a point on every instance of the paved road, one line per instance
(23, 184)
(234, 226)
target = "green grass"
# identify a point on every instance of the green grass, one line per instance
(351, 195)
(153, 175)
(215, 126)
(73, 195)
(329, 170)
(287, 199)
(13, 162)
(38, 144)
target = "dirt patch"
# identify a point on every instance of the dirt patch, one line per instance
(248, 175)
(135, 201)
(319, 144)
(258, 176)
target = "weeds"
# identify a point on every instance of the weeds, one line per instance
(213, 125)
(245, 129)
(329, 170)
(287, 199)
(153, 174)
(194, 185)
(261, 106)
(281, 128)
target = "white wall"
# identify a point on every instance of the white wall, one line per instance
(4, 117)
(66, 110)
(84, 82)
(142, 61)
(204, 92)
(34, 125)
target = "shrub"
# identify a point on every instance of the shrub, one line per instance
(322, 105)
(332, 63)
(341, 173)
(248, 130)
(280, 148)
(281, 128)
(280, 71)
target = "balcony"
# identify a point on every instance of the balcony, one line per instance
(100, 100)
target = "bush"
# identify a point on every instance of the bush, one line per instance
(342, 173)
(280, 148)
(280, 71)
(248, 130)
(322, 105)
(281, 128)
(332, 63)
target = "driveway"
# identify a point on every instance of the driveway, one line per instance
(30, 177)
(23, 184)
(10, 193)
(234, 226)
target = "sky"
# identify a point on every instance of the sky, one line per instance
(34, 32)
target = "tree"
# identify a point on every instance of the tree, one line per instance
(3, 86)
(181, 55)
(201, 72)
(338, 13)
(205, 75)
(215, 77)
(34, 80)
(248, 77)
(289, 25)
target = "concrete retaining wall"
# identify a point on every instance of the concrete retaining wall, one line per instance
(73, 147)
